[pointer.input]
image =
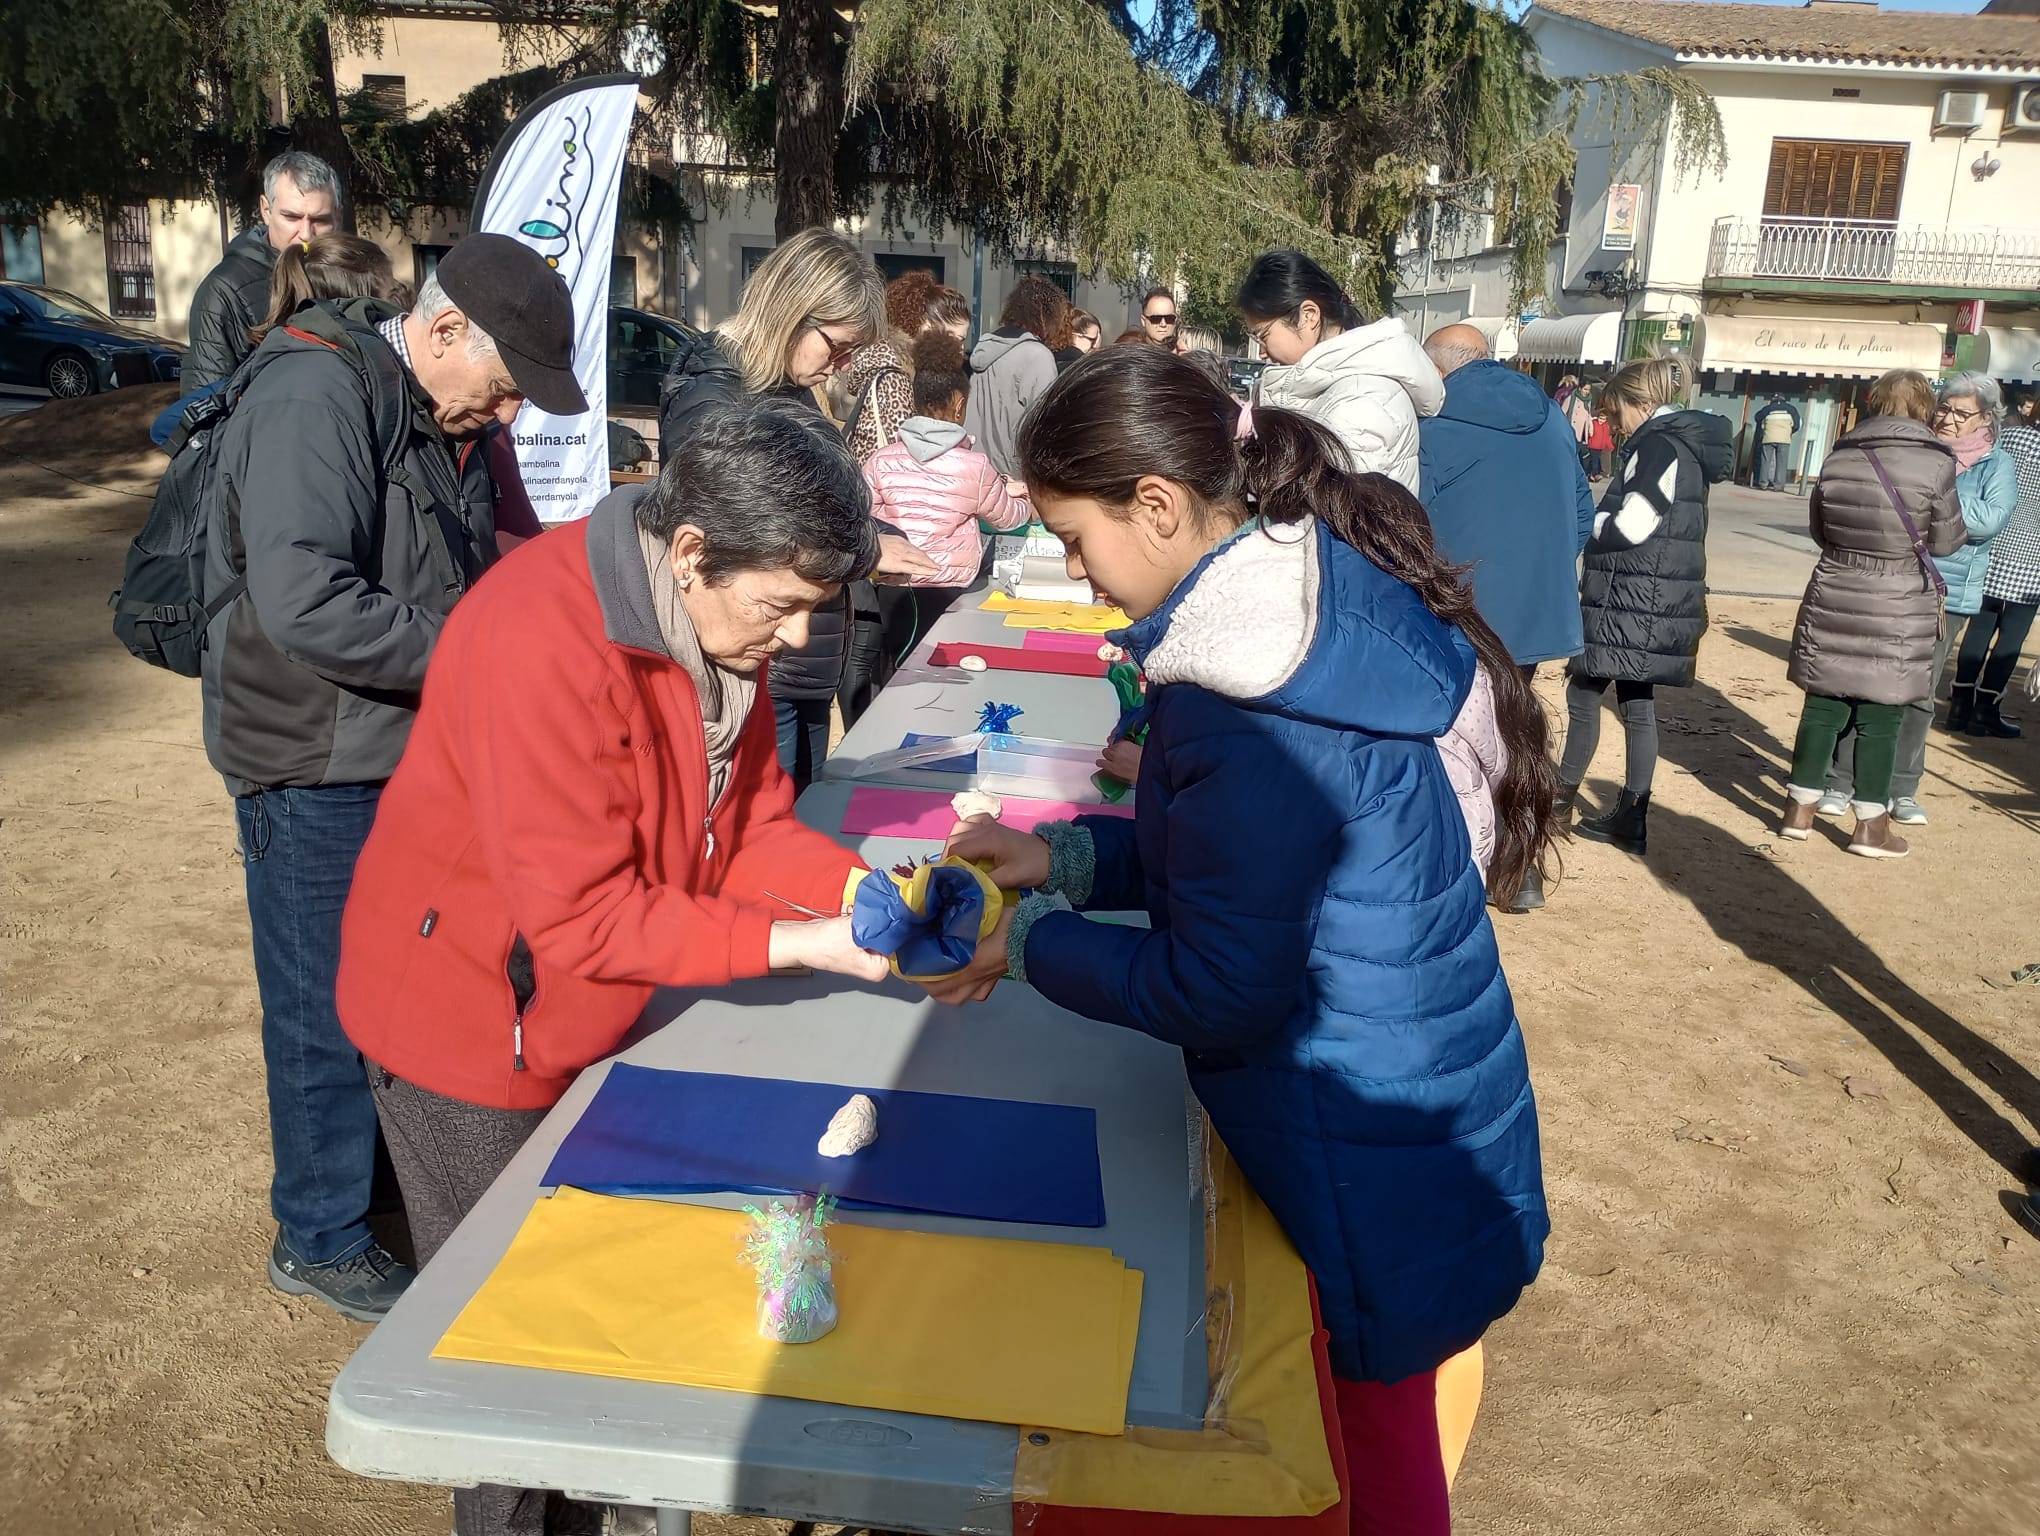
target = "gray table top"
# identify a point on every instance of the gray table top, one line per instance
(396, 1412)
(947, 701)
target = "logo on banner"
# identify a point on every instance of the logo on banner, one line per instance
(559, 231)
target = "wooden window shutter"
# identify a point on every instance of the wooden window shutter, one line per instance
(1834, 179)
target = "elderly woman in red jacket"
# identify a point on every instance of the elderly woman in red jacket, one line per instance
(591, 803)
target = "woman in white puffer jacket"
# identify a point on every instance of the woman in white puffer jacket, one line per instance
(1368, 383)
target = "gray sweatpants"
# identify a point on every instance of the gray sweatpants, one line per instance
(1912, 736)
(447, 1153)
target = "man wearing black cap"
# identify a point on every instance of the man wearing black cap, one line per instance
(351, 505)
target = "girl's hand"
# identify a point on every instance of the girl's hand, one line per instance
(1122, 761)
(898, 557)
(823, 945)
(987, 968)
(1018, 861)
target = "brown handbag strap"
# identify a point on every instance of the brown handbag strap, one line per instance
(1912, 529)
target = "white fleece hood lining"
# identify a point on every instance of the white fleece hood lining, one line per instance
(1244, 629)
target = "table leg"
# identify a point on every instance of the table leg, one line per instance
(675, 1522)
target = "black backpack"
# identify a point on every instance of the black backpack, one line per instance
(160, 612)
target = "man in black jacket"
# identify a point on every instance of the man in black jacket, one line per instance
(300, 201)
(352, 497)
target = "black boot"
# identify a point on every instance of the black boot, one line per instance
(1961, 708)
(1531, 896)
(1988, 720)
(1562, 803)
(1626, 827)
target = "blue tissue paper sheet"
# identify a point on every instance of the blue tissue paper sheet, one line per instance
(939, 942)
(652, 1132)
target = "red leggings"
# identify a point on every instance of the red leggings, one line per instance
(1394, 1463)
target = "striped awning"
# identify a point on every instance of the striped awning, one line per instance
(1815, 345)
(1588, 338)
(2010, 355)
(1502, 331)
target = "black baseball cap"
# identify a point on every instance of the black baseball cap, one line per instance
(513, 294)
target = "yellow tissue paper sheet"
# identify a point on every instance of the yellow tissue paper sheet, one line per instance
(1073, 618)
(937, 1323)
(1262, 1449)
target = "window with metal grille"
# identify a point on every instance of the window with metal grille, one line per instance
(1834, 179)
(1062, 273)
(130, 264)
(894, 264)
(387, 93)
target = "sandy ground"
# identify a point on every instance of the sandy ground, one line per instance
(1769, 1306)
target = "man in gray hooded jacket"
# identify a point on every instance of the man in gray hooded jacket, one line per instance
(351, 505)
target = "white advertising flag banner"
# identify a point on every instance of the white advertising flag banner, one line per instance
(553, 184)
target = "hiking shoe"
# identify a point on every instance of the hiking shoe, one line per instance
(1874, 838)
(1832, 807)
(363, 1287)
(1908, 812)
(1798, 820)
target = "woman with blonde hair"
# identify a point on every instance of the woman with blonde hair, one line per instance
(1643, 587)
(806, 310)
(1868, 627)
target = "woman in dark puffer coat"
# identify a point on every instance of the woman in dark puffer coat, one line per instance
(1863, 648)
(1643, 591)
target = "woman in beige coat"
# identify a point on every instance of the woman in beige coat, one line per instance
(1863, 647)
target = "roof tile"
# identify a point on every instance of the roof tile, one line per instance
(1838, 33)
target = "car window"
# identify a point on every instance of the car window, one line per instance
(55, 304)
(8, 308)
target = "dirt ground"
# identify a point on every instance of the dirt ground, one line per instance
(1769, 1306)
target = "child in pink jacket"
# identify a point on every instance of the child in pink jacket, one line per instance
(935, 487)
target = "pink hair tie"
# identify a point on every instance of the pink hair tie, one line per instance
(1244, 427)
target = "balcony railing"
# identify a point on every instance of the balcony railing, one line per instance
(1859, 251)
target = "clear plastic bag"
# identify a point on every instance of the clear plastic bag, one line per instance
(788, 1246)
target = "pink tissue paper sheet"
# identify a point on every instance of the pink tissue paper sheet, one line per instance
(878, 811)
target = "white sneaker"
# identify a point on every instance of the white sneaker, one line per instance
(1908, 812)
(1832, 806)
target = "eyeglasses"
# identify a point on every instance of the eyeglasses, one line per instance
(1168, 319)
(1953, 413)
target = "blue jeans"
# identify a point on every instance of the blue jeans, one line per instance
(803, 738)
(298, 847)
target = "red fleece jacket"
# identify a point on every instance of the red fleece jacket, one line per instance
(556, 787)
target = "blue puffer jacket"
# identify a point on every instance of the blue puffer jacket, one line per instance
(1507, 496)
(1319, 946)
(1989, 493)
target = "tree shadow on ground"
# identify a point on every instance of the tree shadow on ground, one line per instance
(1756, 905)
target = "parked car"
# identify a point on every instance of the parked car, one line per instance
(52, 340)
(641, 348)
(1242, 373)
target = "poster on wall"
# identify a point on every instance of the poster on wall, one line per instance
(1618, 224)
(553, 184)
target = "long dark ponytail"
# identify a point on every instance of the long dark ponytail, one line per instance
(1132, 411)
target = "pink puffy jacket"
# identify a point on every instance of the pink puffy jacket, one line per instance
(932, 485)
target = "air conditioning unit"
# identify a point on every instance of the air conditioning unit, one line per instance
(1961, 111)
(2025, 114)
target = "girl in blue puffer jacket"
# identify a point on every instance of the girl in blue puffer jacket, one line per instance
(1318, 944)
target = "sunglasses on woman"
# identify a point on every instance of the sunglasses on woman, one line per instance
(840, 352)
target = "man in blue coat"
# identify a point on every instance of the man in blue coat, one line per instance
(1499, 471)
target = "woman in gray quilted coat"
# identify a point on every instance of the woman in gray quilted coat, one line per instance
(1864, 645)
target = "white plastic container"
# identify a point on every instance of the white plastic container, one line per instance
(1038, 769)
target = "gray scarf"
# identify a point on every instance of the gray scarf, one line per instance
(726, 696)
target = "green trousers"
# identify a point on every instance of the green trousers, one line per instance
(1821, 724)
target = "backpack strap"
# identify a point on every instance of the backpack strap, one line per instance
(389, 415)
